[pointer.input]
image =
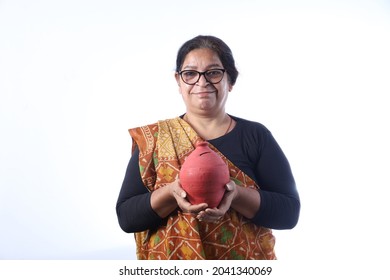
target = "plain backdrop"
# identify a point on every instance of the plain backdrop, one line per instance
(75, 75)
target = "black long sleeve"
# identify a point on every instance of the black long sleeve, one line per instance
(253, 149)
(133, 206)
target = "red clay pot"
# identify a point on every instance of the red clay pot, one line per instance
(204, 175)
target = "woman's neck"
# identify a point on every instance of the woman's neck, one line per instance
(210, 127)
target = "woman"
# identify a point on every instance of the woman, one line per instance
(261, 195)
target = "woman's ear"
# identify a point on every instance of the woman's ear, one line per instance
(177, 77)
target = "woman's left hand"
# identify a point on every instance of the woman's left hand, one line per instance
(216, 214)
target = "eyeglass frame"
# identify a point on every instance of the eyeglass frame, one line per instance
(200, 74)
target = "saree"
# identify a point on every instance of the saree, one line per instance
(163, 148)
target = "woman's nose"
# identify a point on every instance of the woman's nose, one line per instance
(202, 80)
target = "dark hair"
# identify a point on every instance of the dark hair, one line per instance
(215, 44)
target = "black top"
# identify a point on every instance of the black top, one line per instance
(251, 147)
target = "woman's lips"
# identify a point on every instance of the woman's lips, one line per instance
(203, 93)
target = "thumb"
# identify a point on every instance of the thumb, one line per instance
(231, 186)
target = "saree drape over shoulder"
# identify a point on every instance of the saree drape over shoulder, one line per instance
(163, 148)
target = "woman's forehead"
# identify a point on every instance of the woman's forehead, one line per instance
(202, 57)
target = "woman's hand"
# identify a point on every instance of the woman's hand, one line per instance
(216, 214)
(181, 198)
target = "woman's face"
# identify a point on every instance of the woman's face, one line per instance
(203, 97)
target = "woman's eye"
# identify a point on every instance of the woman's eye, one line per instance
(190, 74)
(213, 73)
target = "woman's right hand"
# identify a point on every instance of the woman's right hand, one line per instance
(181, 198)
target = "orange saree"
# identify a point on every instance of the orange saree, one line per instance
(163, 148)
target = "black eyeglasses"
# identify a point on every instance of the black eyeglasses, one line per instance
(191, 77)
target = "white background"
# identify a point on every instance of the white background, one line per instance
(75, 75)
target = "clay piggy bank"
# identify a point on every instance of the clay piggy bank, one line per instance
(204, 175)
